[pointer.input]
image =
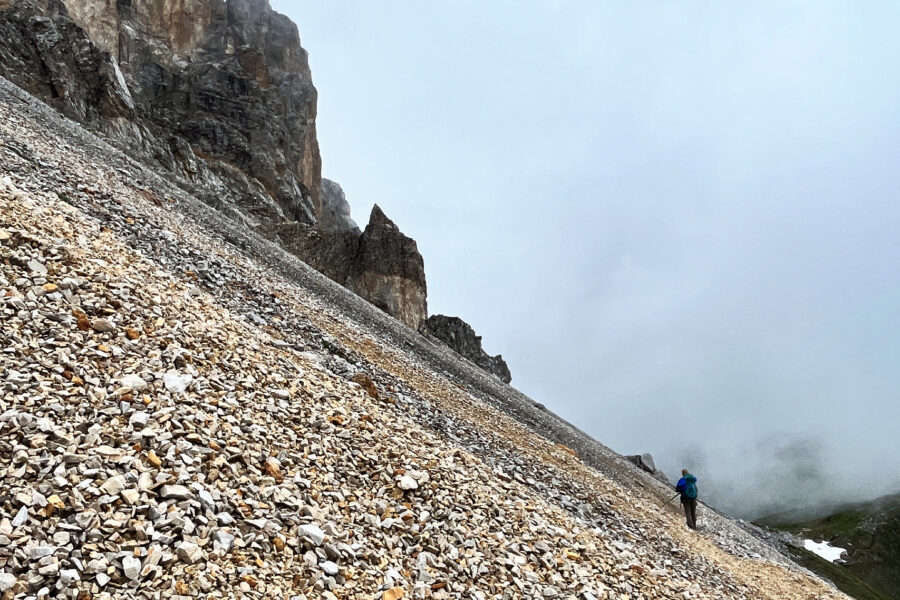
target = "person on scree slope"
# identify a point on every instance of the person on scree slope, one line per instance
(687, 487)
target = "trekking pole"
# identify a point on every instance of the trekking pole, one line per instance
(673, 497)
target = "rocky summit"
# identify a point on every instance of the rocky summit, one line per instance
(189, 410)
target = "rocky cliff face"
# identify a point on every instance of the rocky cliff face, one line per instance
(380, 264)
(335, 213)
(220, 93)
(460, 336)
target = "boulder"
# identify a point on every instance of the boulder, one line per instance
(645, 462)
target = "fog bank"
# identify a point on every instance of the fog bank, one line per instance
(678, 223)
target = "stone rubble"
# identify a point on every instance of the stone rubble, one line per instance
(216, 441)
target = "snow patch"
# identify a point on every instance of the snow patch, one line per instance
(123, 86)
(824, 549)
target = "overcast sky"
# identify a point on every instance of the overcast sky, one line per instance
(677, 221)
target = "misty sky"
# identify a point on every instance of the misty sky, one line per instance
(677, 221)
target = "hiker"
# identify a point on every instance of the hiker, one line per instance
(687, 486)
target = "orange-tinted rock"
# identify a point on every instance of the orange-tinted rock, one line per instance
(366, 383)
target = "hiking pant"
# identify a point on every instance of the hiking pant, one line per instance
(690, 511)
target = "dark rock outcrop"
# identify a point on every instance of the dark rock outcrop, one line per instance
(389, 272)
(381, 264)
(645, 462)
(461, 338)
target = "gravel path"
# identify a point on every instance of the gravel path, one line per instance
(188, 411)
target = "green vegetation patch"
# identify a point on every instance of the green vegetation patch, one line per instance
(842, 524)
(845, 580)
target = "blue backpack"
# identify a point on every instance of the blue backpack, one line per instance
(690, 487)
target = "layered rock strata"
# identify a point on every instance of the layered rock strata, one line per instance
(461, 338)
